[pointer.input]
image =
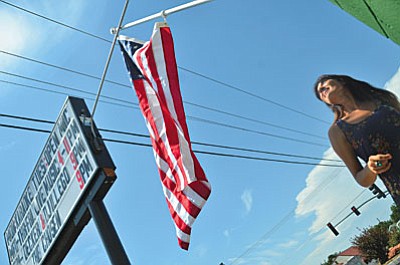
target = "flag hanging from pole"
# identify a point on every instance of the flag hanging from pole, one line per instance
(154, 75)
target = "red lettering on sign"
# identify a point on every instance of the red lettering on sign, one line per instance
(66, 145)
(42, 222)
(80, 180)
(73, 161)
(60, 158)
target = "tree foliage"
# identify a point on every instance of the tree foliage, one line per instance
(331, 259)
(395, 215)
(394, 238)
(374, 242)
(394, 234)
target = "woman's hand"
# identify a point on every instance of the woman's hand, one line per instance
(379, 163)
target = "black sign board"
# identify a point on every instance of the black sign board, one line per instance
(70, 172)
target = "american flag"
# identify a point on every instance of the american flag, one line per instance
(153, 72)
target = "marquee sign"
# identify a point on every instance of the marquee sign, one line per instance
(57, 187)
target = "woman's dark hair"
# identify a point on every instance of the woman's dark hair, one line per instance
(361, 92)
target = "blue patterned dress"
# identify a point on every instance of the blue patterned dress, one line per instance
(379, 133)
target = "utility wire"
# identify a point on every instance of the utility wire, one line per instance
(24, 128)
(195, 73)
(256, 121)
(255, 95)
(309, 238)
(195, 151)
(63, 93)
(188, 116)
(56, 22)
(63, 86)
(62, 68)
(257, 132)
(193, 142)
(186, 102)
(230, 147)
(183, 68)
(285, 219)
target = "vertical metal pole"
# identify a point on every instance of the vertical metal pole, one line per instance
(108, 234)
(97, 143)
(103, 77)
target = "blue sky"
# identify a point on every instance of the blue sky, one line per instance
(265, 56)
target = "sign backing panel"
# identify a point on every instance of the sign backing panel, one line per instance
(60, 180)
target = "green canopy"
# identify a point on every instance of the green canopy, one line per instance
(381, 15)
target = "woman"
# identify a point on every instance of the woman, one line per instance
(366, 125)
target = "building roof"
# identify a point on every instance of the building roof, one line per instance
(351, 251)
(381, 15)
(393, 251)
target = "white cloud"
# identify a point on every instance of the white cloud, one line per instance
(394, 83)
(7, 146)
(20, 31)
(227, 233)
(328, 196)
(89, 255)
(27, 35)
(263, 262)
(200, 251)
(16, 34)
(247, 199)
(269, 253)
(327, 191)
(288, 244)
(67, 12)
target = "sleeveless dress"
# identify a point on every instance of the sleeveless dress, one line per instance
(378, 133)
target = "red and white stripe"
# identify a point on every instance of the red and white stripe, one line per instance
(183, 180)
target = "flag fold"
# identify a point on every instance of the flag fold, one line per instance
(154, 75)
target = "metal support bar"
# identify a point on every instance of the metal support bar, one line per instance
(163, 14)
(109, 58)
(97, 143)
(108, 234)
(359, 207)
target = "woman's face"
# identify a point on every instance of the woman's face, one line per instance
(330, 91)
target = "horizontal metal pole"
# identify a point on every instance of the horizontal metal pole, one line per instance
(163, 13)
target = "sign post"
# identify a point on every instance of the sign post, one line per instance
(110, 238)
(69, 179)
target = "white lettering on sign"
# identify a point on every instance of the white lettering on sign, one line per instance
(55, 186)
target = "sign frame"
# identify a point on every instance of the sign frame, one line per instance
(71, 173)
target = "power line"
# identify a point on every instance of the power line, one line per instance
(62, 68)
(283, 220)
(195, 73)
(188, 116)
(24, 128)
(257, 121)
(63, 86)
(257, 243)
(63, 93)
(257, 132)
(195, 151)
(56, 22)
(309, 238)
(255, 95)
(185, 69)
(193, 142)
(186, 102)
